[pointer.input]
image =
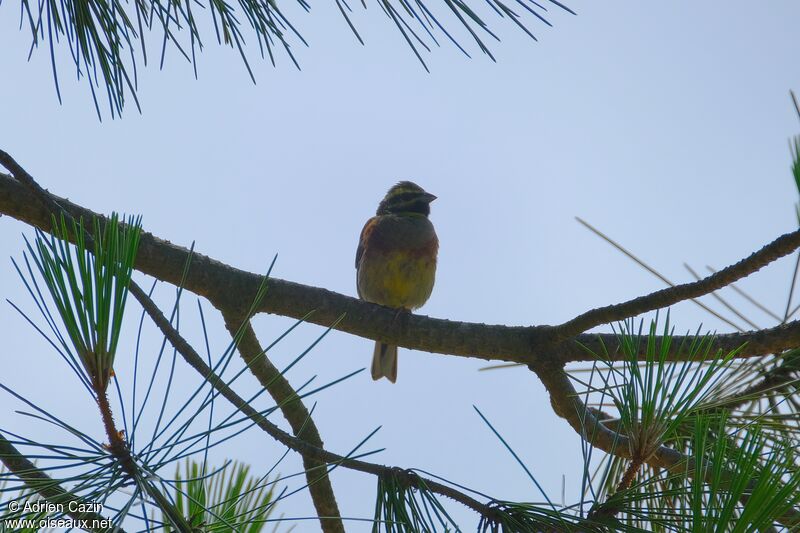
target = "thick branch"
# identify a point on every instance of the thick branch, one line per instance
(230, 288)
(756, 343)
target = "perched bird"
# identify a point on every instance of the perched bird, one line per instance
(396, 260)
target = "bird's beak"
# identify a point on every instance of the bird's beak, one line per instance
(429, 197)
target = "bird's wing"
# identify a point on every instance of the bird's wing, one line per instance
(369, 227)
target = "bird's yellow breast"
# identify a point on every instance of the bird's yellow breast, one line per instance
(397, 278)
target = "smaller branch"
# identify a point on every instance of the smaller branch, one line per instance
(780, 247)
(116, 440)
(567, 404)
(49, 489)
(299, 445)
(735, 288)
(630, 474)
(610, 508)
(120, 450)
(724, 302)
(295, 412)
(653, 271)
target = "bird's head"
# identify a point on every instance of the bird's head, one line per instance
(406, 198)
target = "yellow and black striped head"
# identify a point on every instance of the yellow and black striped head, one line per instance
(406, 198)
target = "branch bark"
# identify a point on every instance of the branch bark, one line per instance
(230, 288)
(295, 412)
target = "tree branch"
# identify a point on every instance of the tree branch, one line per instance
(295, 412)
(230, 288)
(780, 247)
(299, 418)
(752, 343)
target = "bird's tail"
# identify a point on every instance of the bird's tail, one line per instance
(384, 362)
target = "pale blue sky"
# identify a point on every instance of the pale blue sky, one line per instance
(664, 125)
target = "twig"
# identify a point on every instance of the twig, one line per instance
(652, 270)
(747, 297)
(610, 508)
(780, 247)
(722, 300)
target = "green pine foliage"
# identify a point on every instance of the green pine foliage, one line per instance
(107, 38)
(89, 288)
(227, 500)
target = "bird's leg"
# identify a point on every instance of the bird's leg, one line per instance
(399, 313)
(402, 314)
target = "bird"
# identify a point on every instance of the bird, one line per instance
(396, 261)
